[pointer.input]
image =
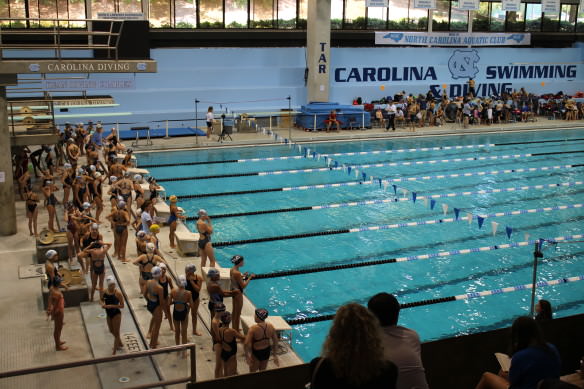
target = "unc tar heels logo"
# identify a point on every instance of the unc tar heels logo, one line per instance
(462, 63)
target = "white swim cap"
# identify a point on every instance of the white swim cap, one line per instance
(94, 226)
(190, 268)
(110, 280)
(182, 281)
(162, 265)
(141, 234)
(92, 168)
(150, 246)
(86, 205)
(50, 254)
(202, 212)
(113, 178)
(156, 272)
(137, 177)
(67, 165)
(122, 205)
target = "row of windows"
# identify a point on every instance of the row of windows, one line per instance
(291, 14)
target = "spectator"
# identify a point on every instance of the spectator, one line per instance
(543, 308)
(401, 345)
(532, 360)
(353, 354)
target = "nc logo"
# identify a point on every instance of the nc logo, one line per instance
(395, 36)
(462, 63)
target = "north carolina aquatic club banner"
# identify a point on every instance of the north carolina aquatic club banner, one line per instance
(426, 4)
(511, 5)
(468, 5)
(377, 3)
(550, 6)
(84, 84)
(451, 39)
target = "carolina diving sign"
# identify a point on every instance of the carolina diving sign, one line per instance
(451, 39)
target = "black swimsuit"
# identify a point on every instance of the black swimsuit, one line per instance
(264, 353)
(98, 269)
(52, 200)
(180, 315)
(191, 288)
(119, 229)
(111, 299)
(225, 355)
(31, 204)
(203, 242)
(146, 275)
(151, 305)
(164, 288)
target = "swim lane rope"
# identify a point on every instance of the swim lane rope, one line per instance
(466, 296)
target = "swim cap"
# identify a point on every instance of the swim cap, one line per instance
(141, 234)
(173, 199)
(190, 268)
(130, 151)
(113, 178)
(86, 205)
(236, 259)
(80, 170)
(120, 198)
(92, 168)
(261, 314)
(97, 174)
(50, 254)
(154, 228)
(110, 280)
(219, 307)
(150, 246)
(182, 281)
(226, 317)
(156, 272)
(67, 166)
(48, 182)
(94, 226)
(71, 140)
(212, 272)
(137, 177)
(122, 205)
(162, 265)
(202, 212)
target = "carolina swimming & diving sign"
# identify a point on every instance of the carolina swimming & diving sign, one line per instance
(451, 39)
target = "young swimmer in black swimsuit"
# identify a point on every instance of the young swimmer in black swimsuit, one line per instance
(194, 284)
(257, 342)
(147, 262)
(182, 301)
(166, 284)
(216, 338)
(112, 301)
(228, 338)
(120, 220)
(154, 295)
(240, 282)
(32, 211)
(97, 251)
(50, 201)
(205, 229)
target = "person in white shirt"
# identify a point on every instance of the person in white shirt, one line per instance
(210, 117)
(391, 111)
(146, 216)
(401, 345)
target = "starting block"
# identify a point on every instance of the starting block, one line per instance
(283, 329)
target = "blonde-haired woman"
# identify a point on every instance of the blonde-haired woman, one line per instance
(175, 214)
(352, 355)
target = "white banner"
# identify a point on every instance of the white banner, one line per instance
(511, 5)
(76, 84)
(550, 6)
(121, 15)
(426, 4)
(468, 5)
(377, 3)
(451, 39)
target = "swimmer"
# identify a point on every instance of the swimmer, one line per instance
(56, 310)
(238, 281)
(95, 188)
(67, 178)
(194, 284)
(138, 190)
(112, 301)
(32, 211)
(257, 342)
(51, 270)
(205, 229)
(120, 220)
(49, 190)
(216, 294)
(228, 338)
(141, 241)
(216, 338)
(147, 262)
(72, 215)
(154, 296)
(96, 253)
(175, 215)
(166, 284)
(182, 301)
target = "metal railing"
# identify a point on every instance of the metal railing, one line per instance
(56, 34)
(38, 114)
(90, 362)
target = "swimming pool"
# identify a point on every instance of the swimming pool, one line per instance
(492, 175)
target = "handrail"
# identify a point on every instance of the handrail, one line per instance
(112, 358)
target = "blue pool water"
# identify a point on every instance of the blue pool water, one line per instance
(312, 294)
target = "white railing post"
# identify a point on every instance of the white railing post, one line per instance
(314, 125)
(166, 136)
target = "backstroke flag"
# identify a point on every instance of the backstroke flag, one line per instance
(511, 5)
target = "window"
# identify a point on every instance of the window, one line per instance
(124, 5)
(77, 11)
(48, 10)
(533, 17)
(515, 20)
(398, 14)
(261, 14)
(497, 21)
(568, 16)
(480, 21)
(551, 22)
(302, 13)
(354, 14)
(97, 7)
(211, 13)
(336, 14)
(440, 15)
(418, 18)
(235, 13)
(458, 20)
(185, 14)
(376, 18)
(160, 13)
(4, 13)
(286, 13)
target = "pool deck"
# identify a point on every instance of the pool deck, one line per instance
(27, 335)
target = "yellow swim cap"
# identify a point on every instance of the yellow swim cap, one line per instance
(173, 199)
(154, 228)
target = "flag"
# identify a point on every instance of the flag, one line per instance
(414, 195)
(456, 213)
(480, 220)
(432, 203)
(509, 231)
(469, 217)
(445, 208)
(394, 189)
(494, 226)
